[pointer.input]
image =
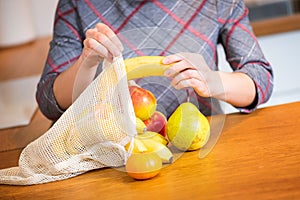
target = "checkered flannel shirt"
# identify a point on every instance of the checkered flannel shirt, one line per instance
(159, 27)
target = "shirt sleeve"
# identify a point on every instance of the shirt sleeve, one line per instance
(65, 49)
(243, 51)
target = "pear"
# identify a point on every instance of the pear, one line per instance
(187, 128)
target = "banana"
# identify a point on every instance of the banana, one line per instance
(138, 146)
(146, 141)
(153, 136)
(143, 66)
(150, 142)
(161, 150)
(140, 126)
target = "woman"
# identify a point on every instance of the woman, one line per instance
(88, 31)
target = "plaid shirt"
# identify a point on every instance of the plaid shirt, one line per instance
(159, 27)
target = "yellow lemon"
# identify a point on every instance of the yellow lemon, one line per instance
(188, 128)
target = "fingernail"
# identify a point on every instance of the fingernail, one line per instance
(165, 61)
(167, 73)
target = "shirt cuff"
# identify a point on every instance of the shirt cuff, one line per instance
(47, 102)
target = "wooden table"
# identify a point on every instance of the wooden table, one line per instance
(256, 157)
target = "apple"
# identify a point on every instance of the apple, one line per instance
(157, 123)
(144, 102)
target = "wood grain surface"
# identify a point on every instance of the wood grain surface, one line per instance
(256, 157)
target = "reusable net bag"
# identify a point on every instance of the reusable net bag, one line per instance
(91, 134)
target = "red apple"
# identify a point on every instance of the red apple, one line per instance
(157, 123)
(144, 102)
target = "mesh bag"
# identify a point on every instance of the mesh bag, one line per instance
(91, 134)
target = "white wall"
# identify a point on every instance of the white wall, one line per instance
(43, 13)
(25, 20)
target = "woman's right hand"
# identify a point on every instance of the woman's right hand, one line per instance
(101, 43)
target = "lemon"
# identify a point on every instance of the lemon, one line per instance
(188, 128)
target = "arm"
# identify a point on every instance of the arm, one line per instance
(239, 89)
(250, 83)
(65, 49)
(72, 61)
(243, 51)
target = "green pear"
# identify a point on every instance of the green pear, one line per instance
(187, 128)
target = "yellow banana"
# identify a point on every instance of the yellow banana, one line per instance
(143, 66)
(138, 146)
(140, 126)
(150, 142)
(161, 150)
(153, 136)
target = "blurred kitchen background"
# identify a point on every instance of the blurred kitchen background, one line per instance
(266, 9)
(22, 21)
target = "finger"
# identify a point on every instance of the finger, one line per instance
(187, 74)
(186, 83)
(107, 43)
(177, 68)
(103, 36)
(172, 59)
(103, 41)
(111, 35)
(199, 86)
(98, 48)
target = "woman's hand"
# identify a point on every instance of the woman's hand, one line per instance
(191, 70)
(101, 42)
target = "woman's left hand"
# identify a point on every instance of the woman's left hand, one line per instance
(191, 70)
